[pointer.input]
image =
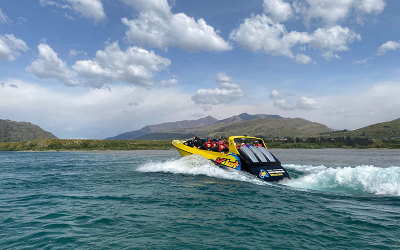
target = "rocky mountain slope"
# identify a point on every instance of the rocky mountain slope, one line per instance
(11, 131)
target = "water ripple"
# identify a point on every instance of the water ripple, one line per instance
(157, 200)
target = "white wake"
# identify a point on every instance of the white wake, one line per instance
(365, 179)
(198, 165)
(359, 179)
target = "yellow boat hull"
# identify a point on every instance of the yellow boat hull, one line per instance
(230, 159)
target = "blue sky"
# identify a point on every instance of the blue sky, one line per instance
(97, 68)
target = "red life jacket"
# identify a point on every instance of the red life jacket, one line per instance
(221, 147)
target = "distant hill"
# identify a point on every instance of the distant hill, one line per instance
(384, 130)
(141, 133)
(268, 126)
(11, 131)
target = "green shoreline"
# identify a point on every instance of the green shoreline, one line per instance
(85, 145)
(101, 145)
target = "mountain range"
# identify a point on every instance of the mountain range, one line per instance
(257, 125)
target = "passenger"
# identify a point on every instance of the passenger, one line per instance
(197, 142)
(221, 146)
(208, 145)
(257, 144)
(189, 143)
(214, 146)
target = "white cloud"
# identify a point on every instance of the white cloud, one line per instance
(369, 6)
(227, 92)
(10, 47)
(160, 6)
(303, 59)
(168, 83)
(135, 65)
(157, 27)
(286, 101)
(389, 45)
(49, 66)
(330, 40)
(333, 11)
(90, 9)
(93, 113)
(278, 10)
(74, 52)
(3, 17)
(307, 103)
(260, 33)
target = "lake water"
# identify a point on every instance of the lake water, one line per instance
(156, 199)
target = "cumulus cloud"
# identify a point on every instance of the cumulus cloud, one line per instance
(226, 92)
(278, 10)
(330, 40)
(291, 102)
(3, 17)
(74, 52)
(49, 66)
(157, 27)
(135, 65)
(333, 11)
(389, 45)
(303, 59)
(10, 47)
(90, 9)
(267, 34)
(261, 33)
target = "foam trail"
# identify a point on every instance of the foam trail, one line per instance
(198, 165)
(360, 179)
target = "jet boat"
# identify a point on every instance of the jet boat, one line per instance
(244, 153)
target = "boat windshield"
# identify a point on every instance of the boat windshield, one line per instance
(244, 141)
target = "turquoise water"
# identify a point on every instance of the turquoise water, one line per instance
(155, 199)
